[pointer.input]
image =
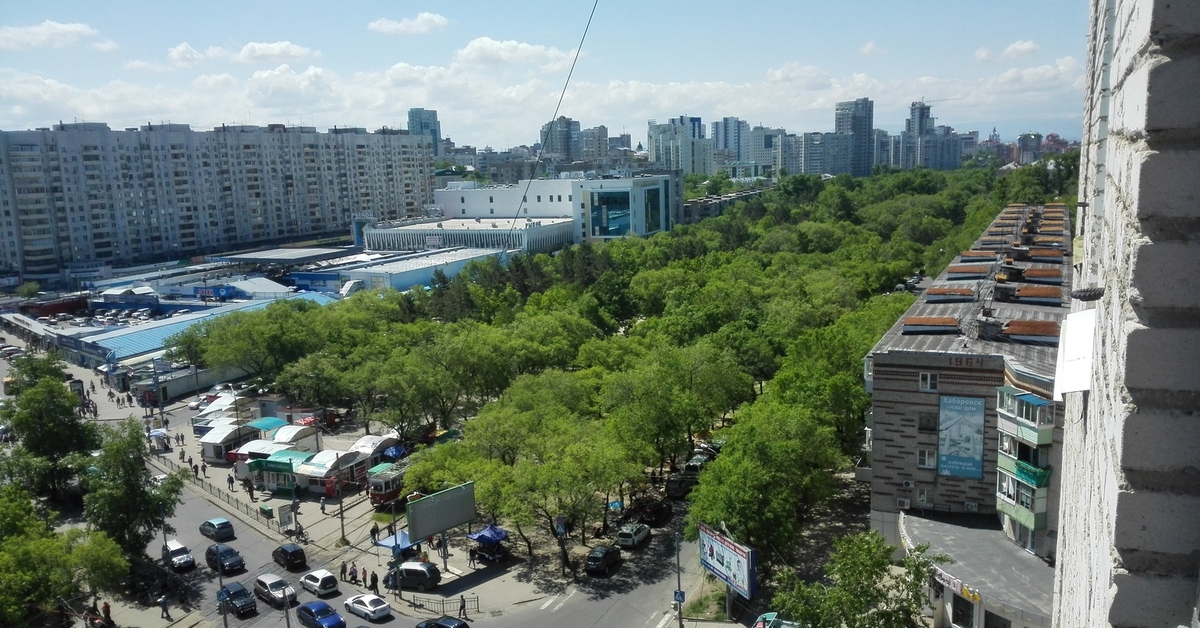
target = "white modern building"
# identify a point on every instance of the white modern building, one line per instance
(77, 194)
(597, 209)
(680, 145)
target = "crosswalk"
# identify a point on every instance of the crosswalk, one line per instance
(552, 600)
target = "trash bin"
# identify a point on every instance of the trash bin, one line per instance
(267, 511)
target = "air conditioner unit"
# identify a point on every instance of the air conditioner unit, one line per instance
(902, 503)
(909, 484)
(970, 507)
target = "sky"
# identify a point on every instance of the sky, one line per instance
(494, 71)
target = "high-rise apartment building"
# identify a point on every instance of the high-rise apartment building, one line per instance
(857, 119)
(1029, 147)
(425, 122)
(81, 194)
(674, 146)
(560, 140)
(593, 144)
(729, 134)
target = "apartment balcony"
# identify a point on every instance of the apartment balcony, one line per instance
(1025, 430)
(1022, 515)
(1034, 476)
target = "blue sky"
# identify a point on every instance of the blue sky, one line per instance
(494, 70)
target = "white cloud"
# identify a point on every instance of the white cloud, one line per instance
(213, 81)
(870, 48)
(1021, 48)
(284, 87)
(273, 51)
(145, 66)
(48, 33)
(799, 76)
(983, 54)
(107, 45)
(423, 23)
(184, 55)
(488, 51)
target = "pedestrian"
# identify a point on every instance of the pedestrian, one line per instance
(366, 489)
(195, 470)
(343, 575)
(462, 607)
(204, 468)
(162, 603)
(166, 423)
(229, 481)
(374, 532)
(181, 455)
(105, 609)
(374, 583)
(353, 573)
(190, 461)
(322, 504)
(471, 555)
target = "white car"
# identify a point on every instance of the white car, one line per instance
(632, 535)
(320, 582)
(368, 606)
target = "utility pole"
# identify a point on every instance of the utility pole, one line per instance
(679, 577)
(221, 585)
(341, 509)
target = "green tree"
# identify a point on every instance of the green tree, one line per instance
(29, 289)
(186, 346)
(29, 369)
(41, 566)
(865, 591)
(49, 427)
(120, 499)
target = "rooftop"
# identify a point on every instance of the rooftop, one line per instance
(280, 256)
(477, 224)
(1005, 574)
(438, 258)
(1015, 315)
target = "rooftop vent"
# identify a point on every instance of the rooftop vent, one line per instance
(929, 325)
(975, 256)
(967, 271)
(943, 294)
(1032, 332)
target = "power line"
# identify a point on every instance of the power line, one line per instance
(525, 193)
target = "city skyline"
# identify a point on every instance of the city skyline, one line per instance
(494, 77)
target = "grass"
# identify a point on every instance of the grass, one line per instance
(709, 601)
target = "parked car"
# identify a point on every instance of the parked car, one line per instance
(368, 606)
(227, 558)
(445, 621)
(234, 597)
(632, 535)
(413, 575)
(177, 556)
(217, 529)
(320, 582)
(274, 590)
(318, 614)
(603, 559)
(656, 514)
(289, 555)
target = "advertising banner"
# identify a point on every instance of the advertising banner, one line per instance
(731, 562)
(960, 437)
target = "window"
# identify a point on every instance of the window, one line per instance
(927, 421)
(929, 382)
(491, 210)
(1008, 445)
(463, 211)
(524, 199)
(491, 200)
(963, 615)
(927, 458)
(925, 496)
(539, 198)
(526, 210)
(560, 198)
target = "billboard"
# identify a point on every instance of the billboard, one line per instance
(729, 561)
(960, 437)
(441, 511)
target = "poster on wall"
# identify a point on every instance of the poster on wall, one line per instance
(960, 437)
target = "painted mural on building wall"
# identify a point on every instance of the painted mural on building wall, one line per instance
(960, 437)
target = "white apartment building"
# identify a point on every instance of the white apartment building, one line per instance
(80, 194)
(678, 146)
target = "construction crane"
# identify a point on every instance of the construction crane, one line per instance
(939, 99)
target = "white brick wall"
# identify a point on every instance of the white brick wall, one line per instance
(1129, 537)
